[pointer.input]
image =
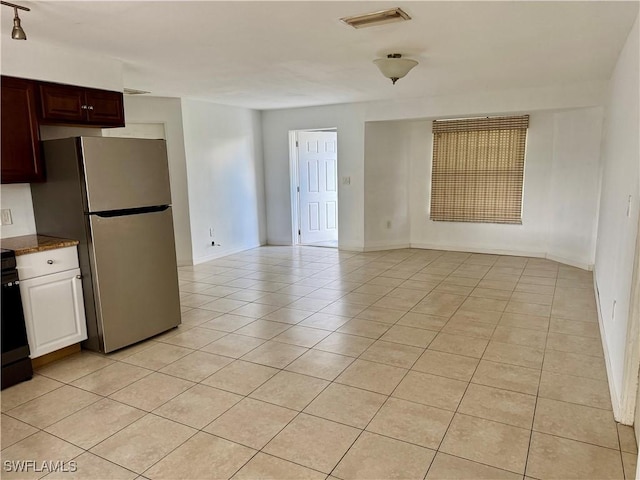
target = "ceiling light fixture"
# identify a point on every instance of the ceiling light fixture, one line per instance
(376, 18)
(17, 33)
(394, 66)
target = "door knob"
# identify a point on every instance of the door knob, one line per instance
(50, 262)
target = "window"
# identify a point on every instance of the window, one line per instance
(478, 169)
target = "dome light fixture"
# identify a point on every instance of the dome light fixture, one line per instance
(17, 33)
(394, 66)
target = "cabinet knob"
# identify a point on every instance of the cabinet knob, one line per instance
(90, 107)
(50, 262)
(83, 107)
(79, 277)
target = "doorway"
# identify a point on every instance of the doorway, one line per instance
(314, 187)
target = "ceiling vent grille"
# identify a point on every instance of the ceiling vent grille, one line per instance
(377, 18)
(132, 91)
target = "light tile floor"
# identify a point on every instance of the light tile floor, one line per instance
(314, 363)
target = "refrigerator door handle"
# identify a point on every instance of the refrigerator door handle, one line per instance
(131, 211)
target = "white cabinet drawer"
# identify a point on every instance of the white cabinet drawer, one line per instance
(37, 264)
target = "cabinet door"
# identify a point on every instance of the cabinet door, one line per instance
(53, 311)
(105, 108)
(62, 104)
(21, 157)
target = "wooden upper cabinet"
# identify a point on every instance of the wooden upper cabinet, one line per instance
(21, 155)
(27, 104)
(70, 105)
(62, 103)
(105, 108)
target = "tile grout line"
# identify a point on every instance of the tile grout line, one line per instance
(463, 394)
(535, 408)
(376, 413)
(375, 340)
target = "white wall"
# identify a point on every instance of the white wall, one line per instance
(32, 59)
(530, 238)
(225, 171)
(559, 209)
(349, 122)
(225, 180)
(577, 95)
(17, 197)
(41, 61)
(168, 111)
(617, 230)
(386, 185)
(575, 182)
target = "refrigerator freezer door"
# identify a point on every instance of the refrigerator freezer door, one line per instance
(135, 276)
(122, 173)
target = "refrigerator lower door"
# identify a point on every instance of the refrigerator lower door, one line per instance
(135, 278)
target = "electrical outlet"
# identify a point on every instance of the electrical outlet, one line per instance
(211, 232)
(6, 216)
(346, 180)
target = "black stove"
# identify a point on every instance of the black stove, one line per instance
(9, 256)
(16, 364)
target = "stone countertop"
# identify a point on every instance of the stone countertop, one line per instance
(35, 243)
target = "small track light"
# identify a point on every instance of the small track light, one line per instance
(17, 33)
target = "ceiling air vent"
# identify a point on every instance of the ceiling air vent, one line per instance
(377, 18)
(132, 91)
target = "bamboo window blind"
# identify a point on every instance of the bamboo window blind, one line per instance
(478, 169)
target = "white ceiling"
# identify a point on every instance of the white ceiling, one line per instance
(267, 55)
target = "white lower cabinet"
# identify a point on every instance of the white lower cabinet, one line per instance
(52, 302)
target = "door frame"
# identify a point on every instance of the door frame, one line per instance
(294, 180)
(630, 386)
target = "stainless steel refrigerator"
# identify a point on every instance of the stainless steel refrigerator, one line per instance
(113, 195)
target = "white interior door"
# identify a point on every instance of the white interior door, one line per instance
(318, 181)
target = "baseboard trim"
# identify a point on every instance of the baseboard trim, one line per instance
(398, 246)
(514, 253)
(279, 243)
(223, 253)
(571, 262)
(489, 251)
(350, 248)
(615, 400)
(387, 246)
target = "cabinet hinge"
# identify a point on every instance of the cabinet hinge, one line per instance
(298, 189)
(297, 144)
(299, 233)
